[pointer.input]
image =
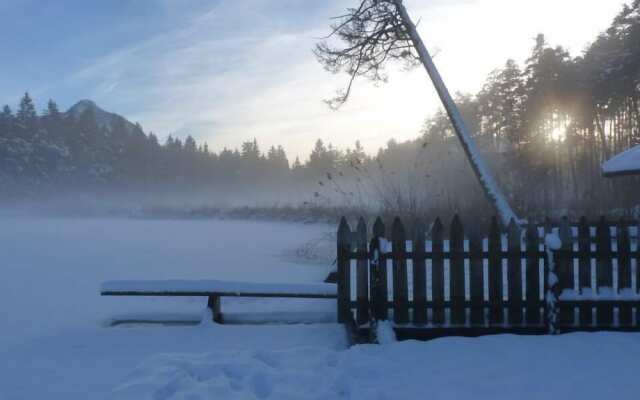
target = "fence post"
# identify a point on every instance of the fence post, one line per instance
(344, 273)
(533, 274)
(496, 300)
(604, 271)
(584, 269)
(378, 276)
(637, 255)
(437, 271)
(624, 271)
(476, 277)
(456, 272)
(564, 269)
(400, 284)
(514, 273)
(552, 245)
(419, 274)
(362, 274)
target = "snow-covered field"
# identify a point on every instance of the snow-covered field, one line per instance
(55, 341)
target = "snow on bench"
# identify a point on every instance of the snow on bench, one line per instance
(217, 288)
(214, 289)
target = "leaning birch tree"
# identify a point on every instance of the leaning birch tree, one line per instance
(377, 32)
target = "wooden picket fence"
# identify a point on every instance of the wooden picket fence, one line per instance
(432, 285)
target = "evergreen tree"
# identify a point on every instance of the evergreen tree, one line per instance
(502, 104)
(52, 123)
(26, 117)
(297, 165)
(153, 141)
(250, 150)
(52, 110)
(190, 145)
(6, 122)
(281, 156)
(322, 160)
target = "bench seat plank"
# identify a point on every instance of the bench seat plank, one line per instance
(217, 288)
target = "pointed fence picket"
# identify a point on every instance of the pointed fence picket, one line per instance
(565, 270)
(496, 297)
(419, 275)
(625, 312)
(362, 273)
(584, 270)
(598, 271)
(533, 302)
(437, 272)
(604, 271)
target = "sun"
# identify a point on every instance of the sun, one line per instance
(557, 134)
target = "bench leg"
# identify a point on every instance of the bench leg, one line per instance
(214, 305)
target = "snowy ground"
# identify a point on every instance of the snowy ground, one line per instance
(55, 342)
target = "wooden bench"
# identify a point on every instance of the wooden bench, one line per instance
(214, 290)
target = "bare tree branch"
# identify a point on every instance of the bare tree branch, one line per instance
(373, 33)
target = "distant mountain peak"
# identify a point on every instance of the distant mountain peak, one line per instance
(83, 105)
(103, 118)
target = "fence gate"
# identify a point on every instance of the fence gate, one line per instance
(431, 283)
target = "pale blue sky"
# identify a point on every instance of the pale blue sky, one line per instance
(230, 70)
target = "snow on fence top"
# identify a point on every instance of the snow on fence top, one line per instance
(207, 287)
(626, 163)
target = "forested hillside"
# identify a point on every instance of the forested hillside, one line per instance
(89, 146)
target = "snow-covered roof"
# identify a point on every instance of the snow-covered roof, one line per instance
(625, 163)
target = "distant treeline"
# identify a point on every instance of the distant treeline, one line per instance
(544, 127)
(88, 147)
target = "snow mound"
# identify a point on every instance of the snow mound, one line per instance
(385, 333)
(490, 367)
(255, 374)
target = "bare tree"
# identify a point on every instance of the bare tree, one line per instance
(378, 31)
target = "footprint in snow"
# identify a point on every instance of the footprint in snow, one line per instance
(261, 386)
